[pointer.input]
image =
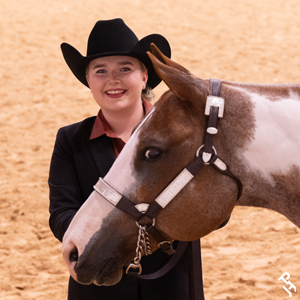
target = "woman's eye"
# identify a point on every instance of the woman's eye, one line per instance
(125, 69)
(152, 154)
(101, 71)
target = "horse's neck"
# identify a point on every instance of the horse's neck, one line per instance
(271, 159)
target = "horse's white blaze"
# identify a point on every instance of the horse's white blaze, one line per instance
(120, 176)
(276, 144)
(85, 223)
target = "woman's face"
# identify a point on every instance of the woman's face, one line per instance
(116, 82)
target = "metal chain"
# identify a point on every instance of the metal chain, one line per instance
(143, 244)
(147, 242)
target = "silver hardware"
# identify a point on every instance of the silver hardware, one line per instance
(198, 151)
(206, 157)
(214, 101)
(212, 130)
(143, 245)
(147, 244)
(138, 225)
(165, 242)
(220, 164)
(107, 192)
(174, 188)
(133, 266)
(142, 207)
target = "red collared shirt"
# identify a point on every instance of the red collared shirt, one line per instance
(101, 127)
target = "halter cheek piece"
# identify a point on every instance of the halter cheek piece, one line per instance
(214, 109)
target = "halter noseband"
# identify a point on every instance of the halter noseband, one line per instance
(214, 109)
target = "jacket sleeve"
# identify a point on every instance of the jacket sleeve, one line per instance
(66, 196)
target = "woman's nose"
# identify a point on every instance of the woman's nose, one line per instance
(113, 77)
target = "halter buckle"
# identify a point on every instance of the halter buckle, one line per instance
(214, 101)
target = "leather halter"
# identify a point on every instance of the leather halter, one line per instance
(214, 109)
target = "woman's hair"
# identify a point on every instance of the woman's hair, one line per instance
(147, 92)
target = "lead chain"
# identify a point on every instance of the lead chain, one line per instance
(143, 244)
(147, 242)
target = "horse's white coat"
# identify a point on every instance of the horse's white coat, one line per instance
(276, 144)
(120, 176)
(81, 228)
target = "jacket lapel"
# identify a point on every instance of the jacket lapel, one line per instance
(103, 153)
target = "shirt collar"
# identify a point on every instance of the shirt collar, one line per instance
(101, 126)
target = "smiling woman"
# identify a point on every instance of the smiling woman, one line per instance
(116, 83)
(118, 71)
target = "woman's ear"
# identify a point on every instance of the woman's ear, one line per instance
(145, 79)
(87, 79)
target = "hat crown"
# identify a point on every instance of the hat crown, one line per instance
(114, 37)
(111, 36)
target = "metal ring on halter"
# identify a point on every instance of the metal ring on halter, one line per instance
(206, 156)
(142, 207)
(197, 152)
(138, 225)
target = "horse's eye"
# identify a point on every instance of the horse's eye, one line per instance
(152, 154)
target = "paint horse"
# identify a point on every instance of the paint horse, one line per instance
(258, 137)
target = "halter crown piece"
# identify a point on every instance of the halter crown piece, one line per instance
(214, 109)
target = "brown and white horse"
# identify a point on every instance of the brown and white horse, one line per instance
(258, 137)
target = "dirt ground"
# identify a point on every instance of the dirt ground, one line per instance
(238, 40)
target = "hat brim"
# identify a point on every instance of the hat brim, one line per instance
(78, 63)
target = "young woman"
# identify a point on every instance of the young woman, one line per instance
(120, 75)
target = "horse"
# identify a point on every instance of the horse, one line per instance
(255, 141)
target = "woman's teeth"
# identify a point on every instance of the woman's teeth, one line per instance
(115, 92)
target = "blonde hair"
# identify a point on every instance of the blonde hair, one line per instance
(147, 92)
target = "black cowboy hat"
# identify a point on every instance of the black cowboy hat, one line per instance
(114, 37)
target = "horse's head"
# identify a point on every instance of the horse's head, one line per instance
(158, 150)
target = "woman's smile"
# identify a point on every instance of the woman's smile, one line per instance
(116, 78)
(115, 93)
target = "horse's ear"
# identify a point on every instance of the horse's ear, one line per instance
(180, 81)
(166, 60)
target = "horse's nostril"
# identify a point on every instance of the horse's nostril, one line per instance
(73, 256)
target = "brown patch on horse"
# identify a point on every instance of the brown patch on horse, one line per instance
(178, 134)
(237, 127)
(288, 185)
(274, 92)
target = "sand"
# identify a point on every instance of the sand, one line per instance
(239, 40)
